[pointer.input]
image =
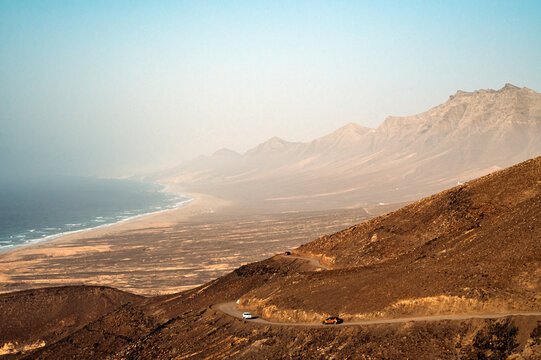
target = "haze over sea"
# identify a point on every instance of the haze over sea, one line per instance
(33, 210)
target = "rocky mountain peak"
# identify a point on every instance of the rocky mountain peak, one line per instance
(353, 128)
(224, 152)
(509, 87)
(274, 142)
(347, 136)
(350, 130)
(460, 93)
(272, 145)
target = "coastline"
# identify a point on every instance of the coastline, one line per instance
(50, 238)
(195, 205)
(33, 259)
(169, 251)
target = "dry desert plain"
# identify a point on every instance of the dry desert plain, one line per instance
(170, 251)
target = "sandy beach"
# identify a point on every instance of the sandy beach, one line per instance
(168, 251)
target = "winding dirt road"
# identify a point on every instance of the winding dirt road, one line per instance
(230, 308)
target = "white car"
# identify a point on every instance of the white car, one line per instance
(247, 315)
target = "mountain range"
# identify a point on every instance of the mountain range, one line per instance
(405, 158)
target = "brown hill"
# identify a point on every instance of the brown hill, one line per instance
(473, 249)
(184, 326)
(33, 318)
(470, 135)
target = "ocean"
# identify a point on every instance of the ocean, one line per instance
(34, 210)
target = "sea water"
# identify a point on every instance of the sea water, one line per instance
(33, 210)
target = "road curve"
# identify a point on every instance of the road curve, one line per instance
(230, 308)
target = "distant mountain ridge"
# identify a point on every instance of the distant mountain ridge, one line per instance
(405, 158)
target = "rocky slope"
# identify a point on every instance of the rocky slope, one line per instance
(470, 135)
(472, 249)
(35, 318)
(184, 326)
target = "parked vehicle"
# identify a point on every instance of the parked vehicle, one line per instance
(333, 320)
(247, 315)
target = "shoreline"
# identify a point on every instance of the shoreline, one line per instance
(49, 238)
(101, 243)
(161, 218)
(183, 200)
(169, 251)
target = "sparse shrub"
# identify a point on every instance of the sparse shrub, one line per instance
(494, 342)
(536, 334)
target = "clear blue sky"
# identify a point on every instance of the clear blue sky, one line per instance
(112, 88)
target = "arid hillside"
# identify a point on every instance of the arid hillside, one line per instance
(404, 159)
(30, 319)
(473, 249)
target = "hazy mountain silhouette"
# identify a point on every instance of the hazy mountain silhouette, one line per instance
(470, 135)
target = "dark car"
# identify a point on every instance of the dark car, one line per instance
(287, 252)
(333, 320)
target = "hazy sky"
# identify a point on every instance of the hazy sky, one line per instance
(117, 87)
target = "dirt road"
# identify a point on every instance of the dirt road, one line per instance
(230, 308)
